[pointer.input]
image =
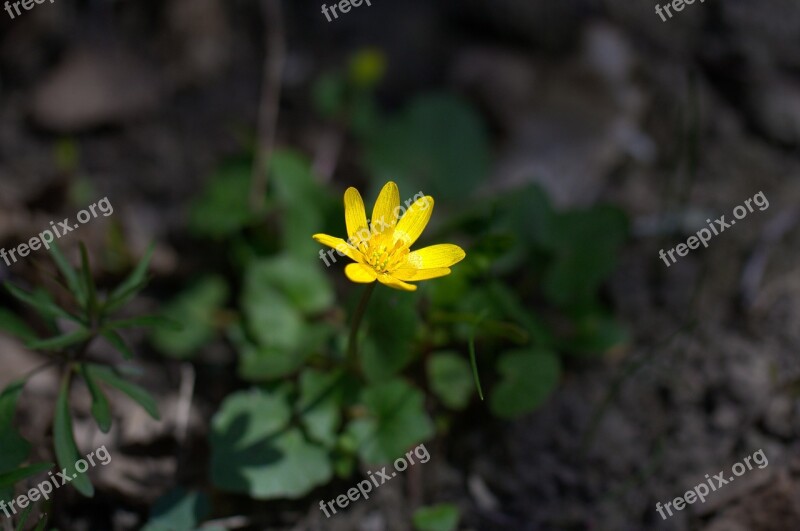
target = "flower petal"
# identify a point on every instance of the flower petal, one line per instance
(435, 256)
(340, 245)
(360, 273)
(384, 218)
(414, 221)
(354, 215)
(392, 282)
(413, 275)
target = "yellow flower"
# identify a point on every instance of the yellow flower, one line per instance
(381, 249)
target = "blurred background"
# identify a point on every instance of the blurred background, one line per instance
(565, 144)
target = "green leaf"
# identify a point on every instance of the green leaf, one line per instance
(510, 306)
(9, 479)
(606, 225)
(13, 325)
(88, 282)
(24, 517)
(223, 208)
(118, 343)
(257, 363)
(586, 244)
(143, 321)
(364, 114)
(132, 284)
(271, 318)
(41, 302)
(294, 181)
(178, 510)
(136, 393)
(345, 457)
(255, 452)
(15, 448)
(596, 334)
(391, 326)
(64, 441)
(328, 95)
(438, 143)
(303, 202)
(319, 406)
(43, 523)
(70, 275)
(111, 305)
(528, 377)
(396, 421)
(62, 341)
(301, 281)
(67, 156)
(528, 213)
(498, 252)
(101, 411)
(441, 517)
(277, 293)
(447, 291)
(450, 379)
(193, 310)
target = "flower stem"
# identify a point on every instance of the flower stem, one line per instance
(352, 344)
(472, 357)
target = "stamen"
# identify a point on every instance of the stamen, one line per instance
(383, 258)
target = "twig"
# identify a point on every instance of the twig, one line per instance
(414, 483)
(184, 402)
(40, 368)
(352, 342)
(274, 55)
(691, 152)
(327, 153)
(624, 373)
(231, 522)
(753, 270)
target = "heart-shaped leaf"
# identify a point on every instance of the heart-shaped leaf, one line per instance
(254, 451)
(527, 379)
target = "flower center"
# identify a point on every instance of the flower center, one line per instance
(383, 258)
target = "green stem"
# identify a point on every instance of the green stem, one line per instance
(472, 358)
(67, 376)
(40, 368)
(352, 344)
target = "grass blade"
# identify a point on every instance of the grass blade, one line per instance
(41, 303)
(118, 343)
(144, 321)
(15, 476)
(24, 518)
(42, 523)
(64, 440)
(135, 282)
(472, 359)
(136, 393)
(69, 273)
(88, 282)
(101, 411)
(13, 325)
(60, 342)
